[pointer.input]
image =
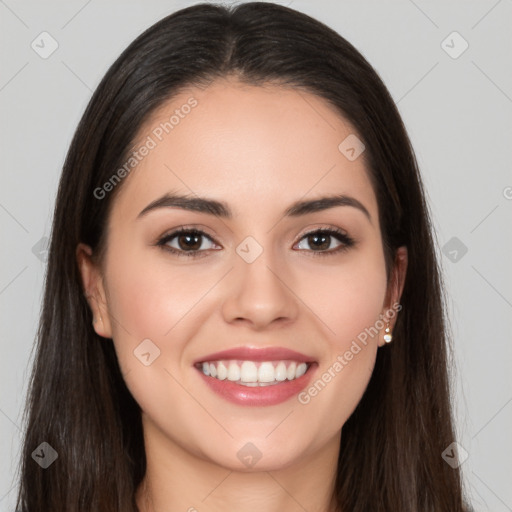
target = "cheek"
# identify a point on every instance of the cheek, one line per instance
(151, 302)
(348, 300)
(148, 298)
(347, 297)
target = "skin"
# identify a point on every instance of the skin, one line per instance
(258, 149)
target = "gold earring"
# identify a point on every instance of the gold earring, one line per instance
(388, 337)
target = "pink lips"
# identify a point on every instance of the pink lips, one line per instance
(257, 354)
(260, 395)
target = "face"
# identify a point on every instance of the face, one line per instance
(281, 287)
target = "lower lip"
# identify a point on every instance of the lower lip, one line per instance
(259, 395)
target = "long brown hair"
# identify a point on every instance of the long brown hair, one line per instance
(390, 455)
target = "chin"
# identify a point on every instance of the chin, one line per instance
(255, 455)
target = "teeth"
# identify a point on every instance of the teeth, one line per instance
(250, 373)
(233, 372)
(301, 370)
(281, 373)
(266, 372)
(222, 371)
(290, 373)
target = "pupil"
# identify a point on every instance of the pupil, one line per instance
(324, 244)
(195, 245)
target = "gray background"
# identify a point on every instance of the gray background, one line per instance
(458, 114)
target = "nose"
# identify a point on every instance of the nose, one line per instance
(257, 294)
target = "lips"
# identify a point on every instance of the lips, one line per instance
(257, 354)
(256, 376)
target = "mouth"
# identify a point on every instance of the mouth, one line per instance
(257, 377)
(254, 373)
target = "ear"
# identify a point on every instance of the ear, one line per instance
(395, 289)
(92, 282)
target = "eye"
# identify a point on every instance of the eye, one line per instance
(321, 240)
(186, 242)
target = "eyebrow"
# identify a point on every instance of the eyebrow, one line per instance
(222, 210)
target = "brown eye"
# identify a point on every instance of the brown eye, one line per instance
(190, 241)
(323, 241)
(320, 241)
(186, 242)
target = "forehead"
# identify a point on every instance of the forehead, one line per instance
(247, 145)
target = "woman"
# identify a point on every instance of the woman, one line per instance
(243, 307)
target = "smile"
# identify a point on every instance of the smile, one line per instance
(254, 373)
(257, 377)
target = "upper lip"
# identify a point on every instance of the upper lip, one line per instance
(257, 354)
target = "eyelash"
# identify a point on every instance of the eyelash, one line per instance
(347, 242)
